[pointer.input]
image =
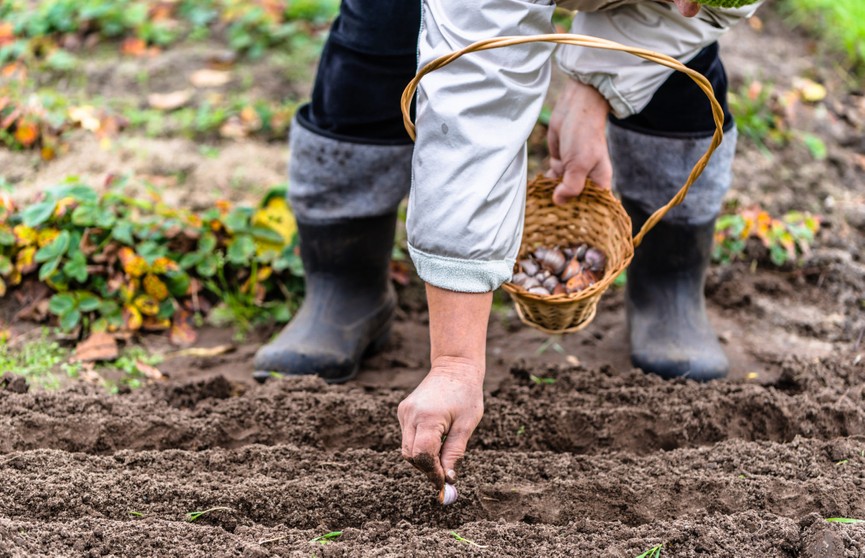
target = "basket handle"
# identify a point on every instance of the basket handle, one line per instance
(592, 42)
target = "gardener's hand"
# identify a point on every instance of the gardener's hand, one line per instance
(449, 402)
(578, 141)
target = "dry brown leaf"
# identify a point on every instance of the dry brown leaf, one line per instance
(150, 372)
(99, 346)
(182, 334)
(170, 101)
(209, 78)
(204, 352)
(88, 373)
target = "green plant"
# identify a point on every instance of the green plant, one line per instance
(786, 238)
(193, 516)
(541, 380)
(35, 360)
(844, 520)
(839, 23)
(654, 552)
(118, 262)
(759, 115)
(327, 538)
(462, 539)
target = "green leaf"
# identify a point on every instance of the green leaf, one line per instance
(81, 193)
(76, 267)
(843, 520)
(48, 269)
(69, 320)
(166, 309)
(238, 220)
(190, 259)
(816, 146)
(207, 244)
(87, 302)
(55, 249)
(61, 303)
(267, 235)
(241, 250)
(177, 283)
(7, 238)
(36, 214)
(206, 267)
(5, 265)
(122, 232)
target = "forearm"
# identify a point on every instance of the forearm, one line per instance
(458, 327)
(473, 117)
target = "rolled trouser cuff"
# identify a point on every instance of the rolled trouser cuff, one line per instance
(461, 275)
(334, 179)
(649, 170)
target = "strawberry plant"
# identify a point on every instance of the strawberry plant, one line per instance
(786, 238)
(122, 263)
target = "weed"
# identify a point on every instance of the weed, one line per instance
(541, 380)
(327, 537)
(759, 115)
(844, 520)
(35, 360)
(461, 539)
(654, 552)
(135, 514)
(192, 516)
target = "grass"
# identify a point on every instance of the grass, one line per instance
(844, 520)
(327, 537)
(838, 23)
(459, 538)
(36, 360)
(192, 516)
(654, 552)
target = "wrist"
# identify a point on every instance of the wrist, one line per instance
(460, 368)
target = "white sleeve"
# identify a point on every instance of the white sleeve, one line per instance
(629, 82)
(467, 200)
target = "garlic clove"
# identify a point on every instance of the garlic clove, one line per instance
(573, 268)
(550, 283)
(595, 260)
(539, 291)
(519, 278)
(552, 260)
(529, 266)
(580, 251)
(448, 494)
(530, 283)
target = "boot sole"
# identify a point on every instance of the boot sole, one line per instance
(376, 345)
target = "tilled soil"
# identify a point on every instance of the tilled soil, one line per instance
(598, 463)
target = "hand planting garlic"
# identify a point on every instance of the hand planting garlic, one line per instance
(551, 271)
(448, 494)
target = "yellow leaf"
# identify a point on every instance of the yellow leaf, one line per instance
(86, 117)
(14, 278)
(132, 318)
(146, 304)
(24, 263)
(133, 264)
(277, 216)
(155, 288)
(810, 90)
(47, 236)
(2, 288)
(26, 133)
(164, 265)
(25, 235)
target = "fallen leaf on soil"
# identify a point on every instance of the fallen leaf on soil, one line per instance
(182, 333)
(209, 78)
(26, 133)
(99, 346)
(810, 90)
(88, 373)
(203, 351)
(136, 47)
(169, 101)
(151, 372)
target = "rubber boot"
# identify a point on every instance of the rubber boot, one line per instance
(349, 303)
(669, 331)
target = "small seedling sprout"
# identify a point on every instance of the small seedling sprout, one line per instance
(842, 462)
(461, 539)
(136, 514)
(654, 552)
(327, 537)
(541, 380)
(844, 520)
(192, 516)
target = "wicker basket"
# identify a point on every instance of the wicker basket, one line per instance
(596, 217)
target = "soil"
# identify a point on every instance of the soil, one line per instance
(605, 461)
